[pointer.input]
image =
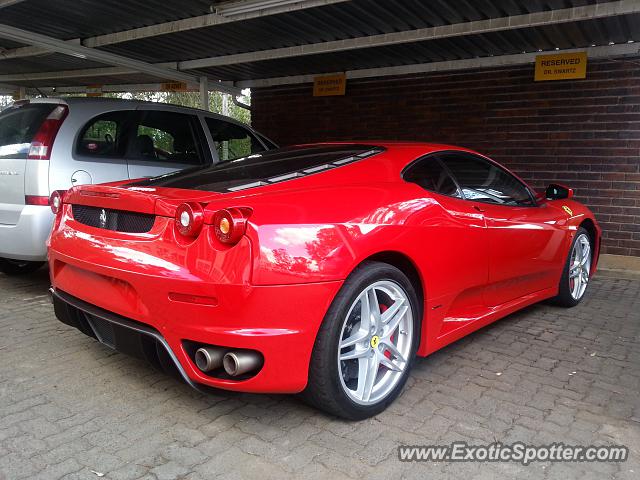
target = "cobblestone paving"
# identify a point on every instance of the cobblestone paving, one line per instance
(71, 408)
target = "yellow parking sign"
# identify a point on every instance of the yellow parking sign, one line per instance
(561, 66)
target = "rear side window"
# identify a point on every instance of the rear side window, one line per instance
(482, 181)
(166, 137)
(232, 141)
(430, 174)
(18, 126)
(106, 135)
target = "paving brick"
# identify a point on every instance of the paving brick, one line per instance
(89, 408)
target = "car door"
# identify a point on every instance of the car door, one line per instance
(165, 141)
(453, 243)
(524, 238)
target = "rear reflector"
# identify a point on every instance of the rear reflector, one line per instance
(89, 193)
(42, 142)
(36, 200)
(197, 299)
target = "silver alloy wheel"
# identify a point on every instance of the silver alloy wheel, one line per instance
(579, 266)
(375, 342)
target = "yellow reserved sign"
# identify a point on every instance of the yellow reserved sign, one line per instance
(174, 87)
(94, 90)
(329, 85)
(561, 66)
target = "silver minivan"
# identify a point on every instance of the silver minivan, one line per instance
(49, 144)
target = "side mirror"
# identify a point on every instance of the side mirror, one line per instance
(558, 192)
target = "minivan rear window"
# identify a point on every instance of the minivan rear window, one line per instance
(18, 125)
(264, 168)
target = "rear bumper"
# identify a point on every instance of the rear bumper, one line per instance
(281, 322)
(26, 239)
(119, 333)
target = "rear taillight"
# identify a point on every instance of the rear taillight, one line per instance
(56, 201)
(36, 200)
(189, 219)
(230, 224)
(42, 142)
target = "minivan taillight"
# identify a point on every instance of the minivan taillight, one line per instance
(36, 200)
(42, 142)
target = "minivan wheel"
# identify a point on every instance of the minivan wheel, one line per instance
(18, 267)
(366, 345)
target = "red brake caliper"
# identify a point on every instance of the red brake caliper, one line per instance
(384, 308)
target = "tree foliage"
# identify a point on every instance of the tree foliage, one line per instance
(190, 99)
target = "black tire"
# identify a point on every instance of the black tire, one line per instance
(18, 267)
(324, 390)
(564, 297)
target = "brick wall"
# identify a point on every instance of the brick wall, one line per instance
(584, 133)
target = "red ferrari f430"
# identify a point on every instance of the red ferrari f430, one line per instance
(318, 269)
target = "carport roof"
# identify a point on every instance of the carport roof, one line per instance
(258, 42)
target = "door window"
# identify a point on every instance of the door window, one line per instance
(232, 141)
(106, 135)
(482, 181)
(165, 137)
(430, 174)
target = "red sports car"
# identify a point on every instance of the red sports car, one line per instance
(316, 269)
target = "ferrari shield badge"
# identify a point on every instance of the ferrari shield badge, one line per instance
(568, 210)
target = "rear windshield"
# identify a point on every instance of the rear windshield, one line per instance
(264, 168)
(18, 126)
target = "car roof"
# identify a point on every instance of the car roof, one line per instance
(124, 103)
(102, 101)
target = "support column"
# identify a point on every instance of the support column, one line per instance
(225, 112)
(204, 93)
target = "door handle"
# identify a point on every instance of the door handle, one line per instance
(479, 208)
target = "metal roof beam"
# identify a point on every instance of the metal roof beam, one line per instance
(77, 73)
(67, 48)
(536, 19)
(553, 17)
(113, 88)
(225, 13)
(602, 52)
(8, 89)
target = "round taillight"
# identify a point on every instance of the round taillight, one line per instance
(229, 225)
(55, 202)
(189, 219)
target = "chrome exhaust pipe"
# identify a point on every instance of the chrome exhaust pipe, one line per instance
(51, 292)
(237, 363)
(209, 358)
